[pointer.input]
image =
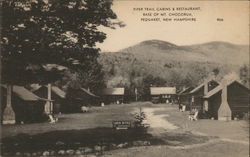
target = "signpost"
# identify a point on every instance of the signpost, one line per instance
(121, 125)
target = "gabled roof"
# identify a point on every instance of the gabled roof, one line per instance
(112, 91)
(185, 91)
(201, 85)
(220, 87)
(25, 94)
(88, 92)
(54, 89)
(162, 90)
(58, 91)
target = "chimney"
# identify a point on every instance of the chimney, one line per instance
(8, 112)
(205, 103)
(224, 112)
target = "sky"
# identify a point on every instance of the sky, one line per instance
(232, 27)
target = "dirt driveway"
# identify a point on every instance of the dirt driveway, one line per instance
(225, 139)
(178, 136)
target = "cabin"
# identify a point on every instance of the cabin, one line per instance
(27, 106)
(163, 94)
(57, 95)
(184, 96)
(196, 95)
(228, 101)
(76, 98)
(113, 95)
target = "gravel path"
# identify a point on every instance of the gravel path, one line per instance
(157, 121)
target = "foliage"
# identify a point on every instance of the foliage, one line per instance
(245, 75)
(131, 71)
(139, 118)
(40, 32)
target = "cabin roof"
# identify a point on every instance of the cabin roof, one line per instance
(220, 87)
(112, 91)
(162, 90)
(25, 94)
(54, 89)
(88, 92)
(200, 86)
(58, 91)
(185, 91)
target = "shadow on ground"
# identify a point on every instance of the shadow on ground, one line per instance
(73, 139)
(104, 137)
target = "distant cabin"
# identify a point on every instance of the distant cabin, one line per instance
(162, 94)
(113, 95)
(196, 95)
(76, 98)
(237, 96)
(27, 106)
(57, 95)
(184, 96)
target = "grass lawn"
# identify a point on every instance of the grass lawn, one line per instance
(88, 130)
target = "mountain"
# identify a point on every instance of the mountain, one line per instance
(218, 52)
(168, 64)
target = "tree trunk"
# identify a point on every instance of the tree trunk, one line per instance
(9, 114)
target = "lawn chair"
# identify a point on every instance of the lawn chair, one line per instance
(52, 119)
(194, 117)
(183, 109)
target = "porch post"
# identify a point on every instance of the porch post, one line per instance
(8, 113)
(48, 108)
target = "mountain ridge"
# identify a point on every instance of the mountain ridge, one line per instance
(214, 51)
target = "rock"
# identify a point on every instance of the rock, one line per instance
(146, 143)
(59, 143)
(34, 154)
(52, 153)
(138, 143)
(88, 150)
(98, 148)
(18, 154)
(61, 152)
(104, 148)
(120, 145)
(70, 151)
(113, 146)
(78, 152)
(39, 153)
(125, 144)
(27, 154)
(46, 153)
